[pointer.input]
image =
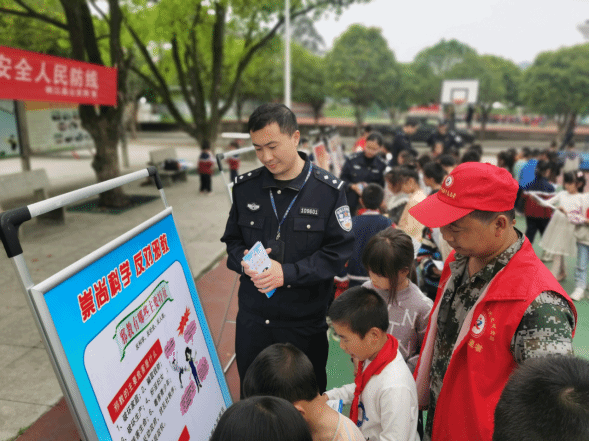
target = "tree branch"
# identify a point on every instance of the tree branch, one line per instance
(32, 14)
(180, 71)
(253, 49)
(161, 84)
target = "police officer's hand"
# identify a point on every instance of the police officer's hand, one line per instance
(356, 188)
(246, 267)
(269, 279)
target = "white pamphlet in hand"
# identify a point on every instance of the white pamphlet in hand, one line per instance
(258, 260)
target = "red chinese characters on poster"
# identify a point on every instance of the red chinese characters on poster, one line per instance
(29, 76)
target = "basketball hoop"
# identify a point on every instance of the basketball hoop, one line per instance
(459, 102)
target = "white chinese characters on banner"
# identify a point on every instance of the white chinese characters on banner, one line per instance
(60, 79)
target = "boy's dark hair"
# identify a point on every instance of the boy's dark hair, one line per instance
(375, 136)
(412, 122)
(545, 399)
(387, 253)
(205, 145)
(393, 176)
(360, 309)
(470, 156)
(477, 148)
(447, 160)
(408, 172)
(372, 196)
(368, 128)
(435, 171)
(273, 113)
(541, 168)
(284, 371)
(262, 418)
(423, 160)
(407, 159)
(526, 152)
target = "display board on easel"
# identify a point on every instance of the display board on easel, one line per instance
(125, 330)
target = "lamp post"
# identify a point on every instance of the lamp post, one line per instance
(287, 93)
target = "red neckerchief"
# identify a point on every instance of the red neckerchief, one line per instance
(386, 354)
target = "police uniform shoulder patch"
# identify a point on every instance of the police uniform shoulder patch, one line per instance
(355, 155)
(248, 175)
(381, 161)
(344, 218)
(328, 178)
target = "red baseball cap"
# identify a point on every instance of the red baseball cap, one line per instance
(470, 186)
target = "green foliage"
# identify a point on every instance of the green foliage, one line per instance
(473, 66)
(362, 69)
(558, 81)
(34, 35)
(443, 56)
(309, 78)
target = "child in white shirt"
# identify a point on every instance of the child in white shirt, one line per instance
(384, 396)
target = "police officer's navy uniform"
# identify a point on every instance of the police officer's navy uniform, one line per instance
(450, 141)
(358, 169)
(318, 238)
(401, 142)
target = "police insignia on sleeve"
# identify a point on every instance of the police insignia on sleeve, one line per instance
(344, 218)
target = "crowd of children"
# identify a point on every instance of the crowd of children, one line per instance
(381, 319)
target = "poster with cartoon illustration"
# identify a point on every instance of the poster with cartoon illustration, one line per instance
(9, 144)
(138, 344)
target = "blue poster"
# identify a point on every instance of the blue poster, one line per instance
(136, 339)
(9, 144)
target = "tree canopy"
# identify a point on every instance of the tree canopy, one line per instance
(363, 69)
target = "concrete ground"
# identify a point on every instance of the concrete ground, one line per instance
(29, 388)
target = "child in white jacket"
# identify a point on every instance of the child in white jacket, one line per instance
(384, 396)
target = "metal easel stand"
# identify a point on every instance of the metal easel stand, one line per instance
(11, 220)
(229, 185)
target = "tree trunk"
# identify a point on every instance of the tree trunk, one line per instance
(392, 111)
(566, 128)
(359, 114)
(484, 118)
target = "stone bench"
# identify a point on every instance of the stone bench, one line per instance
(30, 186)
(157, 158)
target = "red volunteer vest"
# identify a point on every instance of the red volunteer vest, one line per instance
(482, 360)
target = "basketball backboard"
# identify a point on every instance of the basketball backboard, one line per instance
(459, 92)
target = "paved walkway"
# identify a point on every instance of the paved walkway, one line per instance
(29, 388)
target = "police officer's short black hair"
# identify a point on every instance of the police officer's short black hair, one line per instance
(412, 122)
(273, 113)
(262, 418)
(545, 399)
(447, 160)
(376, 137)
(360, 309)
(435, 171)
(284, 371)
(372, 196)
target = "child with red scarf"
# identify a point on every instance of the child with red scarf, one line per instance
(384, 396)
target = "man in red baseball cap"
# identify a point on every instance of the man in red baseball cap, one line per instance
(497, 304)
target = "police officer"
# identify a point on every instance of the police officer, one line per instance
(300, 214)
(363, 168)
(402, 140)
(444, 141)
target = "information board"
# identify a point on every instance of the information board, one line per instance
(9, 144)
(129, 327)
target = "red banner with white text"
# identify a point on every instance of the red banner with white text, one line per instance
(27, 76)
